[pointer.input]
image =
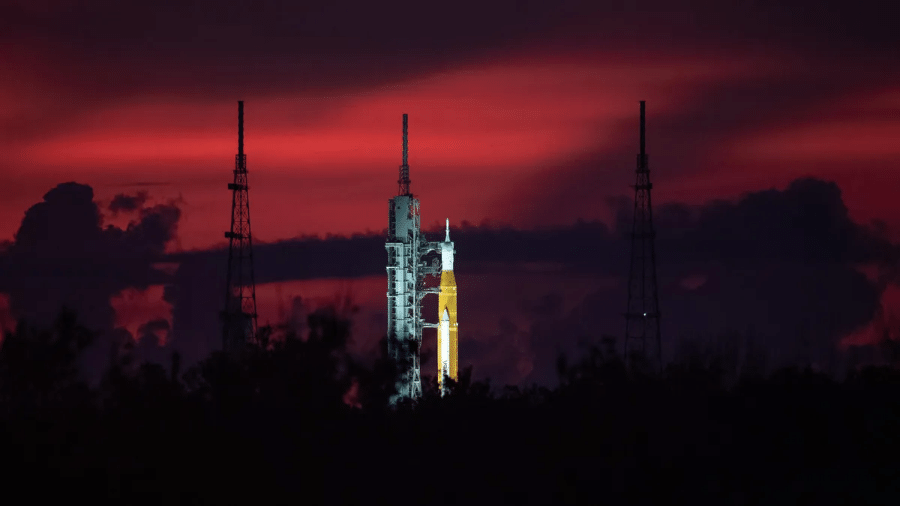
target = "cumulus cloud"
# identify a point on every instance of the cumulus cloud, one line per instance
(806, 222)
(781, 264)
(777, 263)
(63, 257)
(776, 268)
(127, 203)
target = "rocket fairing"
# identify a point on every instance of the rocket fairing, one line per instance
(448, 330)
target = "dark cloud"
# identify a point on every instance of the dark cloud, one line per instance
(736, 25)
(156, 227)
(127, 203)
(689, 140)
(682, 141)
(220, 50)
(62, 256)
(364, 255)
(186, 47)
(781, 264)
(806, 223)
(278, 28)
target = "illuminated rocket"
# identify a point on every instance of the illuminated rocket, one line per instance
(448, 332)
(406, 270)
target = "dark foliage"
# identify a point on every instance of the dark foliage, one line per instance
(294, 419)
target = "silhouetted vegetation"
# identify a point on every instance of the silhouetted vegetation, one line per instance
(294, 419)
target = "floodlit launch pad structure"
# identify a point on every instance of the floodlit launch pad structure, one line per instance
(406, 270)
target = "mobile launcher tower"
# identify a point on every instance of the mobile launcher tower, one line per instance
(406, 271)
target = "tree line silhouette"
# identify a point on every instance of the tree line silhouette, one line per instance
(295, 418)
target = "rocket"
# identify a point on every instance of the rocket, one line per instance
(448, 332)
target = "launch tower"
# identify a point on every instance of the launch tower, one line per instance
(406, 270)
(239, 315)
(404, 333)
(642, 336)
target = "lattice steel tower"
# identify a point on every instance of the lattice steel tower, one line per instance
(642, 336)
(239, 315)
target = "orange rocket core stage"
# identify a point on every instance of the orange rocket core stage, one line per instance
(447, 302)
(448, 332)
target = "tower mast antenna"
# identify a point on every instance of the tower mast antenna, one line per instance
(643, 344)
(404, 169)
(239, 316)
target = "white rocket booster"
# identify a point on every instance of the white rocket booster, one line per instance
(444, 352)
(448, 330)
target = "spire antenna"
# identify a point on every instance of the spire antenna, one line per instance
(240, 127)
(643, 128)
(404, 169)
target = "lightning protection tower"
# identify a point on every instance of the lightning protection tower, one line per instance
(239, 315)
(642, 336)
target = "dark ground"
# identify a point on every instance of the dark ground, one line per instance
(273, 427)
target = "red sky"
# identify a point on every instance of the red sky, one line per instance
(522, 117)
(484, 139)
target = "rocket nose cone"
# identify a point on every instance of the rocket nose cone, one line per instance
(445, 316)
